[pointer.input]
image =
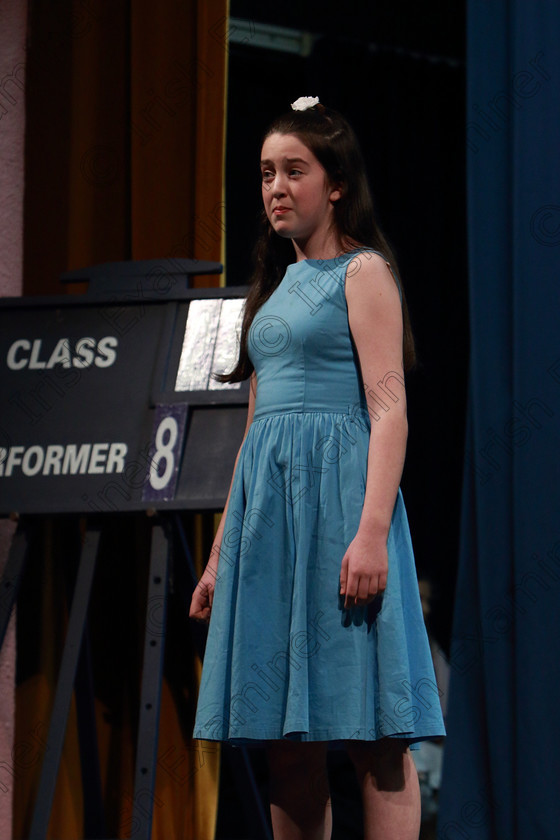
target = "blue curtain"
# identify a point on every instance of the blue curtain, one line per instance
(501, 774)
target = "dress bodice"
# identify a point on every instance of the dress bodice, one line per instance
(300, 342)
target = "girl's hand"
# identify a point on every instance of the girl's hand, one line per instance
(203, 595)
(363, 573)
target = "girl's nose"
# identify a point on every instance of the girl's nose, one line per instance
(279, 186)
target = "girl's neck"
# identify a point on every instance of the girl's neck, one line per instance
(326, 248)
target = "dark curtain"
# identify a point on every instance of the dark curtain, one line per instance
(125, 134)
(501, 764)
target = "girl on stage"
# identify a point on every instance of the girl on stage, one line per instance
(316, 633)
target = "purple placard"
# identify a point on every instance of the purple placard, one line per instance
(165, 452)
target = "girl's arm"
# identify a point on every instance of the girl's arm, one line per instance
(203, 595)
(375, 319)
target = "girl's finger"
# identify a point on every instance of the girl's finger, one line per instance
(343, 575)
(364, 589)
(351, 592)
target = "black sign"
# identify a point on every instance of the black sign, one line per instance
(110, 405)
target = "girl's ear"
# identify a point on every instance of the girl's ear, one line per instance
(337, 191)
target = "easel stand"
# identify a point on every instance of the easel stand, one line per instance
(76, 676)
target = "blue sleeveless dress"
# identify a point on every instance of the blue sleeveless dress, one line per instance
(284, 659)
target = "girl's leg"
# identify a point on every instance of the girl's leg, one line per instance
(390, 788)
(299, 791)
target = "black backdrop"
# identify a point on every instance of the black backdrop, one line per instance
(399, 77)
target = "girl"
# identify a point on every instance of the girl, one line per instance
(317, 633)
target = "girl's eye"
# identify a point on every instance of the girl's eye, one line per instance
(267, 175)
(295, 172)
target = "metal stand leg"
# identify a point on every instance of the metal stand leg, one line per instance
(94, 817)
(150, 697)
(254, 810)
(57, 729)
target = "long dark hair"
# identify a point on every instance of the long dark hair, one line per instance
(333, 142)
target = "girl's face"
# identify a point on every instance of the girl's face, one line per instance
(297, 196)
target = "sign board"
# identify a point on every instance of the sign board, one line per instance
(109, 403)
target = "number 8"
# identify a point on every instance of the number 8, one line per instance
(165, 451)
